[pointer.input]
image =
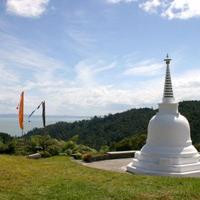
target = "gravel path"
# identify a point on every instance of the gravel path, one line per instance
(118, 165)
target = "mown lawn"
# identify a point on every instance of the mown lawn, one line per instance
(61, 178)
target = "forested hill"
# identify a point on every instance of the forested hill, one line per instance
(112, 128)
(101, 130)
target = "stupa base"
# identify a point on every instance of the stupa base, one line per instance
(136, 170)
(185, 165)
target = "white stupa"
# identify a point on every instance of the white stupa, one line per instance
(168, 149)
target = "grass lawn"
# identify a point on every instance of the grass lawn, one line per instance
(61, 178)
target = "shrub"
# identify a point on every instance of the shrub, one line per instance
(11, 147)
(84, 149)
(69, 152)
(44, 143)
(34, 144)
(87, 157)
(104, 149)
(53, 149)
(70, 145)
(8, 148)
(77, 156)
(3, 148)
(45, 154)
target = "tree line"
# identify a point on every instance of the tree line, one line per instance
(120, 131)
(113, 128)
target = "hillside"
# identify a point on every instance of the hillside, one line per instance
(61, 178)
(112, 128)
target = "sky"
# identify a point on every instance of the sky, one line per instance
(94, 57)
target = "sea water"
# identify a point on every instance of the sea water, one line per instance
(9, 123)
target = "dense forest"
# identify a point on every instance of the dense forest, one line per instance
(115, 128)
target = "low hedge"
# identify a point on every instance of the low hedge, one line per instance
(88, 157)
(91, 157)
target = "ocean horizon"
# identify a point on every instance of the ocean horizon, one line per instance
(9, 122)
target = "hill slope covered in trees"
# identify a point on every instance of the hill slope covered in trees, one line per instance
(113, 128)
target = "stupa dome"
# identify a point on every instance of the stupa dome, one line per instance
(168, 149)
(171, 131)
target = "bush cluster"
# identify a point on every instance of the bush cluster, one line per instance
(45, 145)
(75, 150)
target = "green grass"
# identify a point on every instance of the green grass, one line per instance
(60, 178)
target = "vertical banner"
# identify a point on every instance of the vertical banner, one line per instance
(21, 111)
(43, 114)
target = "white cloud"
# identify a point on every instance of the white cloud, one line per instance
(173, 9)
(150, 5)
(80, 41)
(87, 70)
(8, 76)
(187, 85)
(182, 9)
(22, 56)
(27, 8)
(81, 38)
(145, 68)
(119, 1)
(170, 9)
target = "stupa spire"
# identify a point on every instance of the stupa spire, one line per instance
(168, 95)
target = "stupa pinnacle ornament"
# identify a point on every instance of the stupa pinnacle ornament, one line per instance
(168, 95)
(168, 149)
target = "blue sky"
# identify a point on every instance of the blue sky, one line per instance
(94, 57)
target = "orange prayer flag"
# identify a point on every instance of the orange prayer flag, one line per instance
(21, 111)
